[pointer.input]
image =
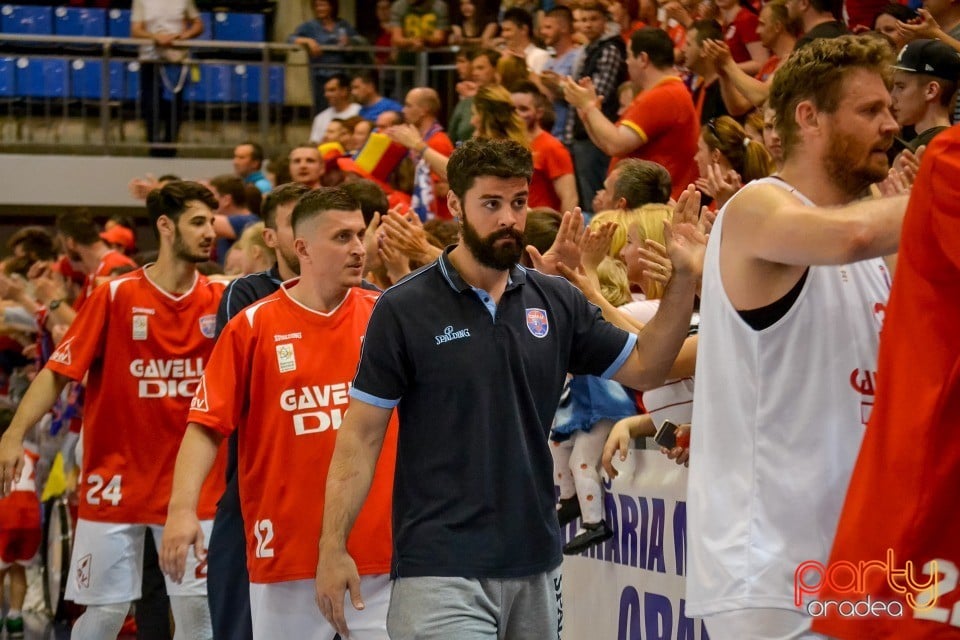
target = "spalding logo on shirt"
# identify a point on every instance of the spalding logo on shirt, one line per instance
(537, 323)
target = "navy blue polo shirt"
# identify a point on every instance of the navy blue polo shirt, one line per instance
(477, 386)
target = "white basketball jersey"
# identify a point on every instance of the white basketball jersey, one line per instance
(778, 416)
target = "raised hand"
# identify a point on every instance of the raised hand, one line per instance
(370, 235)
(685, 243)
(655, 261)
(408, 236)
(718, 52)
(924, 27)
(405, 134)
(722, 184)
(595, 245)
(395, 260)
(565, 248)
(580, 95)
(588, 283)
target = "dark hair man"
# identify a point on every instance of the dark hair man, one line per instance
(516, 29)
(142, 341)
(660, 124)
(342, 106)
(364, 89)
(474, 503)
(603, 65)
(817, 19)
(228, 583)
(302, 340)
(924, 84)
(248, 164)
(634, 183)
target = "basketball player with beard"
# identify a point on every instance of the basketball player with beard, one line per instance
(792, 284)
(473, 350)
(141, 341)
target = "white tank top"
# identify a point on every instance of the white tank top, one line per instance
(778, 416)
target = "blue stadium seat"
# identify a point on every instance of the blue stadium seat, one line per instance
(118, 23)
(8, 87)
(247, 83)
(207, 18)
(42, 77)
(86, 79)
(243, 27)
(214, 85)
(131, 81)
(78, 21)
(27, 20)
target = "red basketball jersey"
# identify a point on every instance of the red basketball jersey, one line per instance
(900, 509)
(144, 351)
(111, 260)
(281, 374)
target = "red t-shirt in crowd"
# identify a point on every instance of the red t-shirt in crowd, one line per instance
(769, 67)
(280, 374)
(111, 260)
(627, 33)
(666, 121)
(441, 143)
(143, 351)
(550, 161)
(741, 31)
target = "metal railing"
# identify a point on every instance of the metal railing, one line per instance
(82, 94)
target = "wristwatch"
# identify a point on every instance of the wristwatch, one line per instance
(54, 304)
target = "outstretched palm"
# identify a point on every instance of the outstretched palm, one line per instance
(565, 248)
(685, 241)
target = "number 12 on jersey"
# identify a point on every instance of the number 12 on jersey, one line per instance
(98, 492)
(263, 531)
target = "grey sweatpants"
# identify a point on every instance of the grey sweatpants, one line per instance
(436, 608)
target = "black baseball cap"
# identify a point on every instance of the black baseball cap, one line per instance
(930, 57)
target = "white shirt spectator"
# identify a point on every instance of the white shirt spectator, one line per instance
(536, 57)
(328, 115)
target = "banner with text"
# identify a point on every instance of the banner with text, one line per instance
(632, 586)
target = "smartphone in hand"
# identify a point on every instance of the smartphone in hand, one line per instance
(669, 436)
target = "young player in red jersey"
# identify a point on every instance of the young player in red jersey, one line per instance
(142, 342)
(19, 538)
(280, 375)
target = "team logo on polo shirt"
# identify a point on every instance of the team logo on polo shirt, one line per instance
(537, 323)
(208, 326)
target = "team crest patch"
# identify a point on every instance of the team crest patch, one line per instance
(208, 326)
(140, 327)
(286, 358)
(537, 323)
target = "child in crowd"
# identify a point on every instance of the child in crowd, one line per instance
(588, 410)
(19, 534)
